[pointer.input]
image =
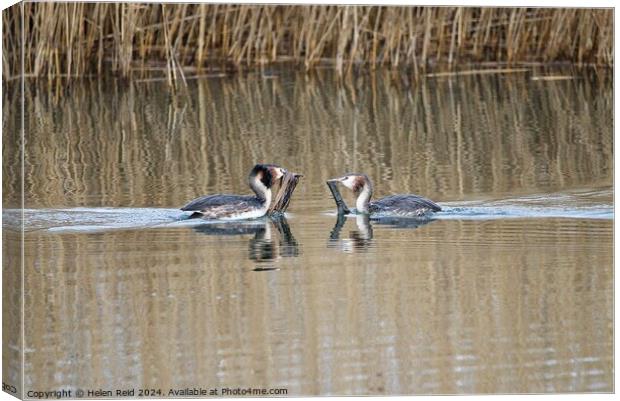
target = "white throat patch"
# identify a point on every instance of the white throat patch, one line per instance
(262, 190)
(361, 204)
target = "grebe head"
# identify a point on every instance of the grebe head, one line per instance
(361, 185)
(354, 181)
(261, 179)
(266, 174)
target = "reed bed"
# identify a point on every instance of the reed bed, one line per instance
(129, 39)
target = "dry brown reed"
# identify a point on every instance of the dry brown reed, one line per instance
(285, 192)
(129, 39)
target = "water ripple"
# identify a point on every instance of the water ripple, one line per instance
(576, 205)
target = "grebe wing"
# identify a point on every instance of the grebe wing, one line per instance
(222, 203)
(405, 203)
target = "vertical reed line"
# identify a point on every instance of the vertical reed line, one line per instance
(74, 39)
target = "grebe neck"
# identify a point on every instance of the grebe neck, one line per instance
(361, 204)
(262, 192)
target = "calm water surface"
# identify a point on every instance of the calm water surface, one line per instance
(509, 290)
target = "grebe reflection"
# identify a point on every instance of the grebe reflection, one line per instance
(361, 239)
(272, 237)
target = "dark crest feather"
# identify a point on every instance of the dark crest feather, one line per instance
(264, 171)
(358, 184)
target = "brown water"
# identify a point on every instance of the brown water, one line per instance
(509, 290)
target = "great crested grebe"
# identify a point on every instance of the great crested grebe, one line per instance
(234, 207)
(406, 205)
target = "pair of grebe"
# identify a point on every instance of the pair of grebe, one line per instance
(264, 176)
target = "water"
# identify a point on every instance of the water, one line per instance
(509, 289)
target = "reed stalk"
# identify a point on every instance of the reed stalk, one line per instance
(126, 39)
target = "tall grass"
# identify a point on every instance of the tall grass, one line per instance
(129, 39)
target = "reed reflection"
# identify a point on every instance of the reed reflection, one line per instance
(272, 237)
(506, 305)
(141, 145)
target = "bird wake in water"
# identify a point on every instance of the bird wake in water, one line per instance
(591, 204)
